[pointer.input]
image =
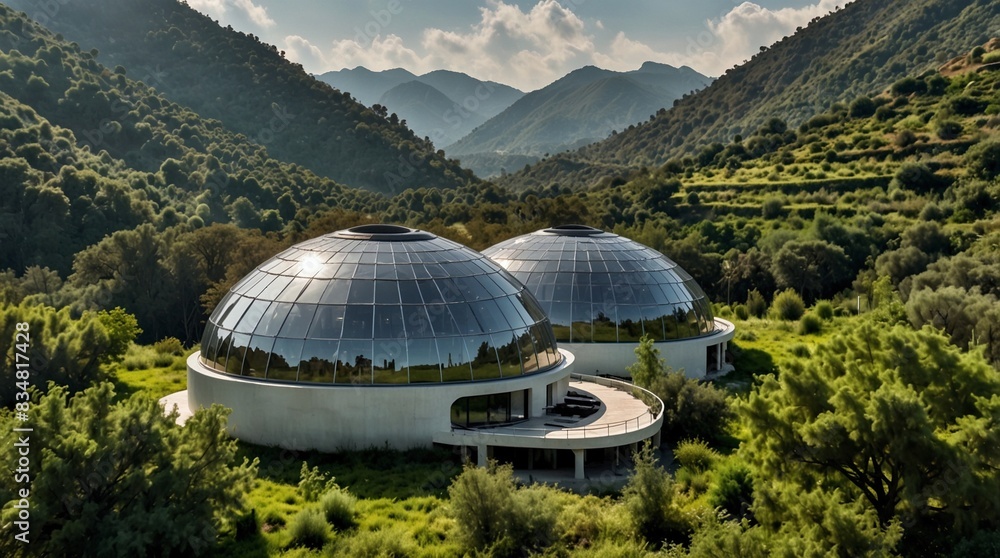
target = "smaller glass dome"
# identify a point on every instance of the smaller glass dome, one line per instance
(599, 287)
(379, 304)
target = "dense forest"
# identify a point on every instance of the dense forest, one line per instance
(853, 239)
(233, 77)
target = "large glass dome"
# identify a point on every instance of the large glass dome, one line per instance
(599, 287)
(379, 304)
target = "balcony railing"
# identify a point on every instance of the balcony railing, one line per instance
(653, 414)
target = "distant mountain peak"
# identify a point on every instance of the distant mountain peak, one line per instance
(651, 66)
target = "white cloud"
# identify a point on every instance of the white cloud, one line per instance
(741, 32)
(299, 49)
(218, 8)
(257, 14)
(527, 49)
(531, 48)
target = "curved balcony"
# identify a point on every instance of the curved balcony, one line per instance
(627, 414)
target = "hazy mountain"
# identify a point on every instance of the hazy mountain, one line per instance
(248, 85)
(485, 98)
(429, 113)
(441, 105)
(860, 49)
(365, 85)
(580, 108)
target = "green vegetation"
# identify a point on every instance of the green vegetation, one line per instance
(254, 91)
(858, 185)
(121, 478)
(793, 79)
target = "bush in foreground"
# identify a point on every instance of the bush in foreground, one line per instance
(338, 508)
(309, 529)
(788, 305)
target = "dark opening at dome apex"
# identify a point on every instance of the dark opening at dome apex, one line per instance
(383, 233)
(573, 230)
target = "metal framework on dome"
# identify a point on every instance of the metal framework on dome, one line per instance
(599, 287)
(379, 305)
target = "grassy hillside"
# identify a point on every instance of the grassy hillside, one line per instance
(859, 50)
(247, 85)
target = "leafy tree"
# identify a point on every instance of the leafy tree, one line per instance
(648, 365)
(968, 317)
(67, 351)
(122, 478)
(983, 160)
(897, 420)
(649, 499)
(815, 268)
(122, 329)
(126, 269)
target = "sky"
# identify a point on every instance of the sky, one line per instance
(523, 43)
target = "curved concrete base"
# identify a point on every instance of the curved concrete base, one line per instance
(687, 355)
(329, 417)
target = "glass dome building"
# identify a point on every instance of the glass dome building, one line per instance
(371, 335)
(603, 292)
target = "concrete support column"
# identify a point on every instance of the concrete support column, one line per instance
(536, 402)
(484, 457)
(657, 439)
(579, 454)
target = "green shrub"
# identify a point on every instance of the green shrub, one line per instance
(169, 346)
(245, 526)
(691, 409)
(983, 160)
(733, 490)
(991, 57)
(799, 350)
(772, 207)
(272, 520)
(649, 499)
(163, 360)
(388, 542)
(491, 512)
(756, 305)
(741, 312)
(824, 309)
(695, 455)
(810, 324)
(338, 508)
(948, 128)
(308, 528)
(313, 483)
(788, 305)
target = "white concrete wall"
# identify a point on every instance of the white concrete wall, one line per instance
(691, 355)
(330, 417)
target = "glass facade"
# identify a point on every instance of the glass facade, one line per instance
(379, 304)
(599, 287)
(490, 410)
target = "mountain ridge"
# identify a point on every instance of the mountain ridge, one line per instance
(249, 86)
(583, 106)
(859, 49)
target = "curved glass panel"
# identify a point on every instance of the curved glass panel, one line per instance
(599, 287)
(393, 306)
